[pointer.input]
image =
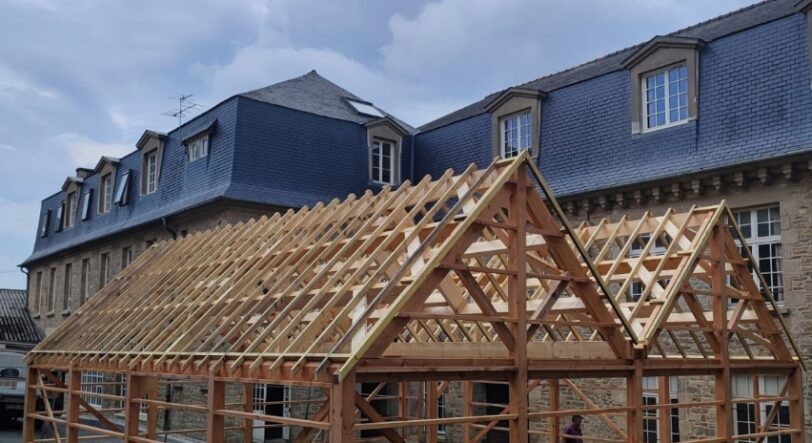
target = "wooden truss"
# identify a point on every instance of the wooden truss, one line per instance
(473, 278)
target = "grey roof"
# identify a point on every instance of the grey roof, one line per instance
(315, 94)
(708, 31)
(16, 324)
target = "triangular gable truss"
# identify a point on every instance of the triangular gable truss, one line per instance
(431, 269)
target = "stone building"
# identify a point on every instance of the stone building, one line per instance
(728, 103)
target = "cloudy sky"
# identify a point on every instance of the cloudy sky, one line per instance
(80, 79)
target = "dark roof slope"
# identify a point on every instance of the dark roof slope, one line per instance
(314, 94)
(16, 324)
(708, 31)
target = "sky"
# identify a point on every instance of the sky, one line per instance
(84, 78)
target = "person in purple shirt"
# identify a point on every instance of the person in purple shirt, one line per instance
(574, 429)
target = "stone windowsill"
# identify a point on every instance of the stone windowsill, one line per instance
(66, 312)
(50, 313)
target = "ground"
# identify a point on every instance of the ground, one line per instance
(12, 431)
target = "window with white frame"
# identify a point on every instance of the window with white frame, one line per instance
(271, 400)
(651, 417)
(516, 132)
(104, 269)
(198, 148)
(745, 418)
(92, 382)
(67, 287)
(106, 194)
(441, 413)
(126, 256)
(637, 288)
(152, 172)
(761, 228)
(84, 288)
(384, 161)
(70, 208)
(665, 97)
(51, 290)
(37, 301)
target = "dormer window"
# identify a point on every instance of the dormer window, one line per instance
(43, 226)
(198, 148)
(516, 134)
(666, 97)
(86, 204)
(71, 203)
(152, 171)
(106, 193)
(515, 122)
(122, 188)
(383, 161)
(663, 78)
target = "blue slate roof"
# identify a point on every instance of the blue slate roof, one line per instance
(754, 105)
(727, 24)
(290, 144)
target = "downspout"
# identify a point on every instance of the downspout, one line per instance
(411, 157)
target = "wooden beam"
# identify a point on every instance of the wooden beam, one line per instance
(215, 400)
(375, 417)
(342, 410)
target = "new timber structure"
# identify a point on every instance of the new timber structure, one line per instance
(459, 282)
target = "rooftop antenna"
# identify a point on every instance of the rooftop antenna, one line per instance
(185, 106)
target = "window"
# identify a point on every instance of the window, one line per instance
(637, 288)
(651, 423)
(121, 190)
(441, 411)
(92, 382)
(84, 288)
(272, 400)
(60, 217)
(35, 303)
(744, 414)
(43, 225)
(106, 194)
(51, 290)
(66, 291)
(70, 208)
(383, 161)
(104, 270)
(152, 172)
(516, 134)
(86, 204)
(365, 108)
(126, 256)
(761, 228)
(666, 97)
(198, 148)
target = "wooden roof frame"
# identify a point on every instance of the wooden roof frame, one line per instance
(424, 283)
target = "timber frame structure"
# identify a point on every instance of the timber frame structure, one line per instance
(466, 279)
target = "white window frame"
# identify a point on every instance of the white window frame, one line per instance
(651, 396)
(70, 209)
(152, 172)
(754, 241)
(126, 256)
(198, 148)
(260, 397)
(104, 269)
(644, 98)
(91, 383)
(84, 281)
(742, 387)
(376, 150)
(503, 131)
(106, 194)
(51, 304)
(67, 287)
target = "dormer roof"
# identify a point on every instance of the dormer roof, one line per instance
(509, 93)
(148, 135)
(659, 42)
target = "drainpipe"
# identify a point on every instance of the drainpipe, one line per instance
(411, 156)
(169, 387)
(168, 229)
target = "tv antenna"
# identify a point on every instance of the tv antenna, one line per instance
(185, 106)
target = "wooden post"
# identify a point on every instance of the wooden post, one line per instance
(555, 404)
(467, 407)
(248, 406)
(30, 405)
(431, 408)
(342, 410)
(796, 404)
(634, 401)
(664, 396)
(215, 430)
(152, 410)
(517, 308)
(132, 408)
(724, 412)
(403, 395)
(72, 403)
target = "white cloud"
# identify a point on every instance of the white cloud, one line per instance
(86, 152)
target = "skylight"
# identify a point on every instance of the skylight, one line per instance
(365, 108)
